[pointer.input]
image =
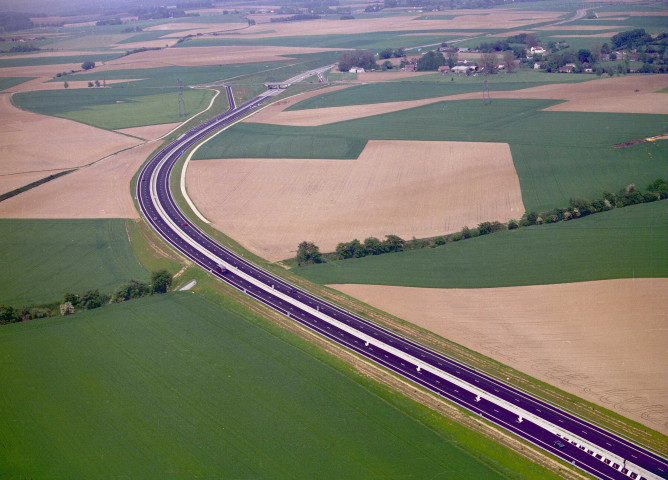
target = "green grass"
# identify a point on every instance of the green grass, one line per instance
(372, 40)
(651, 23)
(623, 243)
(9, 82)
(41, 260)
(169, 76)
(14, 62)
(430, 86)
(554, 161)
(115, 107)
(174, 386)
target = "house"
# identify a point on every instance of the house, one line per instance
(461, 69)
(537, 51)
(568, 68)
(356, 70)
(410, 67)
(444, 69)
(464, 50)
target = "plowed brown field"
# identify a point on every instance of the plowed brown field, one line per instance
(405, 188)
(31, 142)
(606, 341)
(101, 190)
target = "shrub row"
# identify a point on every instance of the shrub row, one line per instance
(578, 207)
(161, 280)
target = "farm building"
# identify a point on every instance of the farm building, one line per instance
(356, 70)
(444, 69)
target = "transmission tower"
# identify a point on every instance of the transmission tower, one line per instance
(485, 90)
(182, 105)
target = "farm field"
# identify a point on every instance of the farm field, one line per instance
(114, 108)
(622, 243)
(196, 384)
(71, 144)
(547, 331)
(584, 155)
(285, 201)
(100, 190)
(610, 95)
(175, 386)
(41, 260)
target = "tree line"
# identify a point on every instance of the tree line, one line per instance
(309, 253)
(160, 282)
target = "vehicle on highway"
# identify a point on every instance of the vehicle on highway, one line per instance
(221, 269)
(559, 444)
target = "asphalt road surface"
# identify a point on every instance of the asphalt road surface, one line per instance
(583, 444)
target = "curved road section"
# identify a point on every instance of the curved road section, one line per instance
(583, 444)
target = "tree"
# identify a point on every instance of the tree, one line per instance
(373, 246)
(97, 83)
(88, 65)
(308, 253)
(386, 53)
(584, 55)
(90, 84)
(357, 58)
(394, 243)
(489, 61)
(66, 85)
(92, 299)
(453, 58)
(8, 314)
(387, 65)
(430, 61)
(399, 52)
(132, 289)
(161, 280)
(509, 60)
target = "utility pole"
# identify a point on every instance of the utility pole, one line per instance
(182, 105)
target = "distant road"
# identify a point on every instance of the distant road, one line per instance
(583, 444)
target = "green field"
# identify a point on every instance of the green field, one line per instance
(9, 82)
(41, 260)
(115, 107)
(175, 387)
(372, 40)
(430, 86)
(18, 61)
(622, 243)
(554, 162)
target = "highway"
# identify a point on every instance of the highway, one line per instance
(585, 445)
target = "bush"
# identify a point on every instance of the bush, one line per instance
(512, 224)
(455, 237)
(440, 241)
(161, 280)
(88, 65)
(308, 253)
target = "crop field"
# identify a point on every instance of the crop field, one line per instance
(371, 40)
(9, 82)
(13, 62)
(622, 243)
(174, 386)
(113, 108)
(545, 184)
(41, 260)
(427, 86)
